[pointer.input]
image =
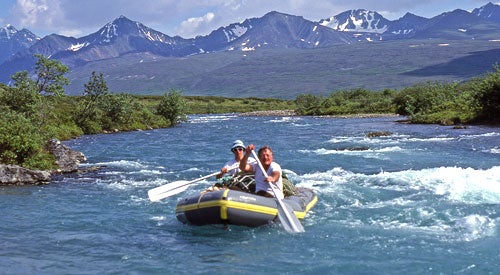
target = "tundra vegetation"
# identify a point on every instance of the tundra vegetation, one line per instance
(35, 109)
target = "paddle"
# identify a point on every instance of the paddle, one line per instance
(286, 216)
(176, 187)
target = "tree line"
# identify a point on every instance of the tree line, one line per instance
(474, 101)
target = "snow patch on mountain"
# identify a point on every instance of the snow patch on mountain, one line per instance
(235, 32)
(356, 21)
(7, 32)
(76, 47)
(404, 32)
(109, 31)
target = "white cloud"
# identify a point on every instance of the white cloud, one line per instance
(41, 13)
(195, 25)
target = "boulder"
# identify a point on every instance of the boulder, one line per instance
(66, 158)
(378, 134)
(17, 175)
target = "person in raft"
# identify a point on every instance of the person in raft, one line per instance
(238, 150)
(273, 170)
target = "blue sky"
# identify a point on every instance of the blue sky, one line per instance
(189, 18)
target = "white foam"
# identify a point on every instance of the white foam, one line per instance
(495, 150)
(285, 119)
(379, 153)
(387, 140)
(119, 163)
(475, 227)
(416, 199)
(464, 185)
(491, 134)
(210, 118)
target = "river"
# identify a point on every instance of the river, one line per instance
(425, 199)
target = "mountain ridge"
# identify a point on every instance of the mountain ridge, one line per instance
(123, 38)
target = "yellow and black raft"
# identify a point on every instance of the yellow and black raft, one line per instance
(233, 202)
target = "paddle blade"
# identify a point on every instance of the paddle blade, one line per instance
(287, 218)
(167, 190)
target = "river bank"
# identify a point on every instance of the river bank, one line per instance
(293, 113)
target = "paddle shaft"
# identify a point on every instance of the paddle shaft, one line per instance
(169, 189)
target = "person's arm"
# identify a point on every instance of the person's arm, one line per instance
(274, 177)
(244, 166)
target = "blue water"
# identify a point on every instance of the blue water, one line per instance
(424, 200)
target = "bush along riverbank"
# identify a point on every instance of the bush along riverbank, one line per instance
(474, 102)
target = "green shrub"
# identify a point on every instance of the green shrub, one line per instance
(20, 140)
(172, 107)
(485, 97)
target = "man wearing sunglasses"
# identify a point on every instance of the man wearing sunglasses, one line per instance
(238, 150)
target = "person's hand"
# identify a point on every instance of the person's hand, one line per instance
(222, 172)
(250, 148)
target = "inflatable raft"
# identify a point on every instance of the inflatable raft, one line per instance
(234, 203)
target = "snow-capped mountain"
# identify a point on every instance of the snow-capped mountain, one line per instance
(276, 30)
(357, 21)
(13, 41)
(124, 36)
(458, 24)
(115, 39)
(273, 30)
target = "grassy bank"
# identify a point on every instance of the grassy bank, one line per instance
(221, 105)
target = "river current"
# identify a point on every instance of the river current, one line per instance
(425, 199)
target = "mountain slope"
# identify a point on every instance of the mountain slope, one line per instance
(280, 30)
(459, 24)
(405, 27)
(490, 12)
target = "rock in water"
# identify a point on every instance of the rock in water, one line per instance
(66, 158)
(17, 175)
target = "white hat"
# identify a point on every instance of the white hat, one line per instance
(238, 143)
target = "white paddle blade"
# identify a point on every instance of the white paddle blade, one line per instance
(167, 190)
(291, 224)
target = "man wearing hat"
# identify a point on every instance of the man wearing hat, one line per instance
(238, 150)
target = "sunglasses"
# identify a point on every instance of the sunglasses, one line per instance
(238, 149)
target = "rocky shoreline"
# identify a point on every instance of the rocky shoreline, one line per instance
(67, 160)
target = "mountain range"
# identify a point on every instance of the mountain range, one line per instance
(207, 64)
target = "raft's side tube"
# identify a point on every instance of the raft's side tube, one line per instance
(239, 208)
